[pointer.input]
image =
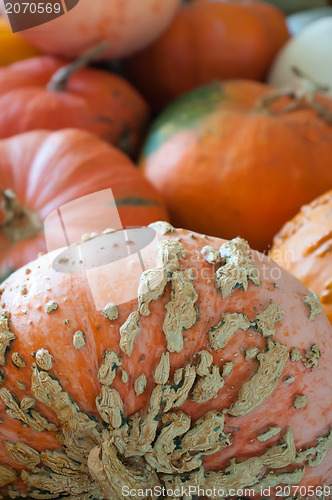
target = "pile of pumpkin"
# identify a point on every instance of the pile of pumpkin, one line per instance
(202, 363)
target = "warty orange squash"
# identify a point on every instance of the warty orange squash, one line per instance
(214, 372)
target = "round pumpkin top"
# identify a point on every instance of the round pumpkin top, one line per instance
(92, 184)
(211, 367)
(232, 160)
(304, 248)
(46, 93)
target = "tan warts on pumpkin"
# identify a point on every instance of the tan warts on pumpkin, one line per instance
(312, 357)
(23, 454)
(162, 226)
(51, 306)
(272, 431)
(24, 413)
(17, 360)
(111, 311)
(7, 475)
(205, 361)
(79, 432)
(295, 354)
(230, 323)
(300, 401)
(169, 253)
(208, 386)
(43, 359)
(262, 384)
(181, 313)
(110, 407)
(128, 332)
(313, 302)
(314, 455)
(211, 254)
(152, 286)
(162, 370)
(238, 268)
(266, 320)
(140, 384)
(108, 369)
(79, 340)
(6, 337)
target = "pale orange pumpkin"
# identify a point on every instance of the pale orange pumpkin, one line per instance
(128, 25)
(304, 247)
(216, 371)
(42, 171)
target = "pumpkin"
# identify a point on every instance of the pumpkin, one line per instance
(127, 25)
(45, 93)
(12, 46)
(215, 371)
(41, 172)
(208, 40)
(298, 21)
(231, 162)
(310, 51)
(304, 247)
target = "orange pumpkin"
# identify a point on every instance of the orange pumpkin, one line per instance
(42, 171)
(214, 372)
(229, 166)
(209, 40)
(127, 25)
(44, 93)
(304, 247)
(12, 46)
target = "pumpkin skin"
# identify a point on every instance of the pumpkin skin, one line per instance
(208, 40)
(127, 25)
(295, 325)
(228, 170)
(13, 47)
(47, 170)
(93, 100)
(304, 247)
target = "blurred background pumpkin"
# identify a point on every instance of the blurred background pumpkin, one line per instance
(310, 51)
(208, 40)
(128, 26)
(48, 93)
(41, 171)
(304, 247)
(230, 159)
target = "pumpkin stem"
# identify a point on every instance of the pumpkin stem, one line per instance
(304, 90)
(59, 80)
(19, 222)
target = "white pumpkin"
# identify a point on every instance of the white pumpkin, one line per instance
(310, 52)
(300, 20)
(128, 26)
